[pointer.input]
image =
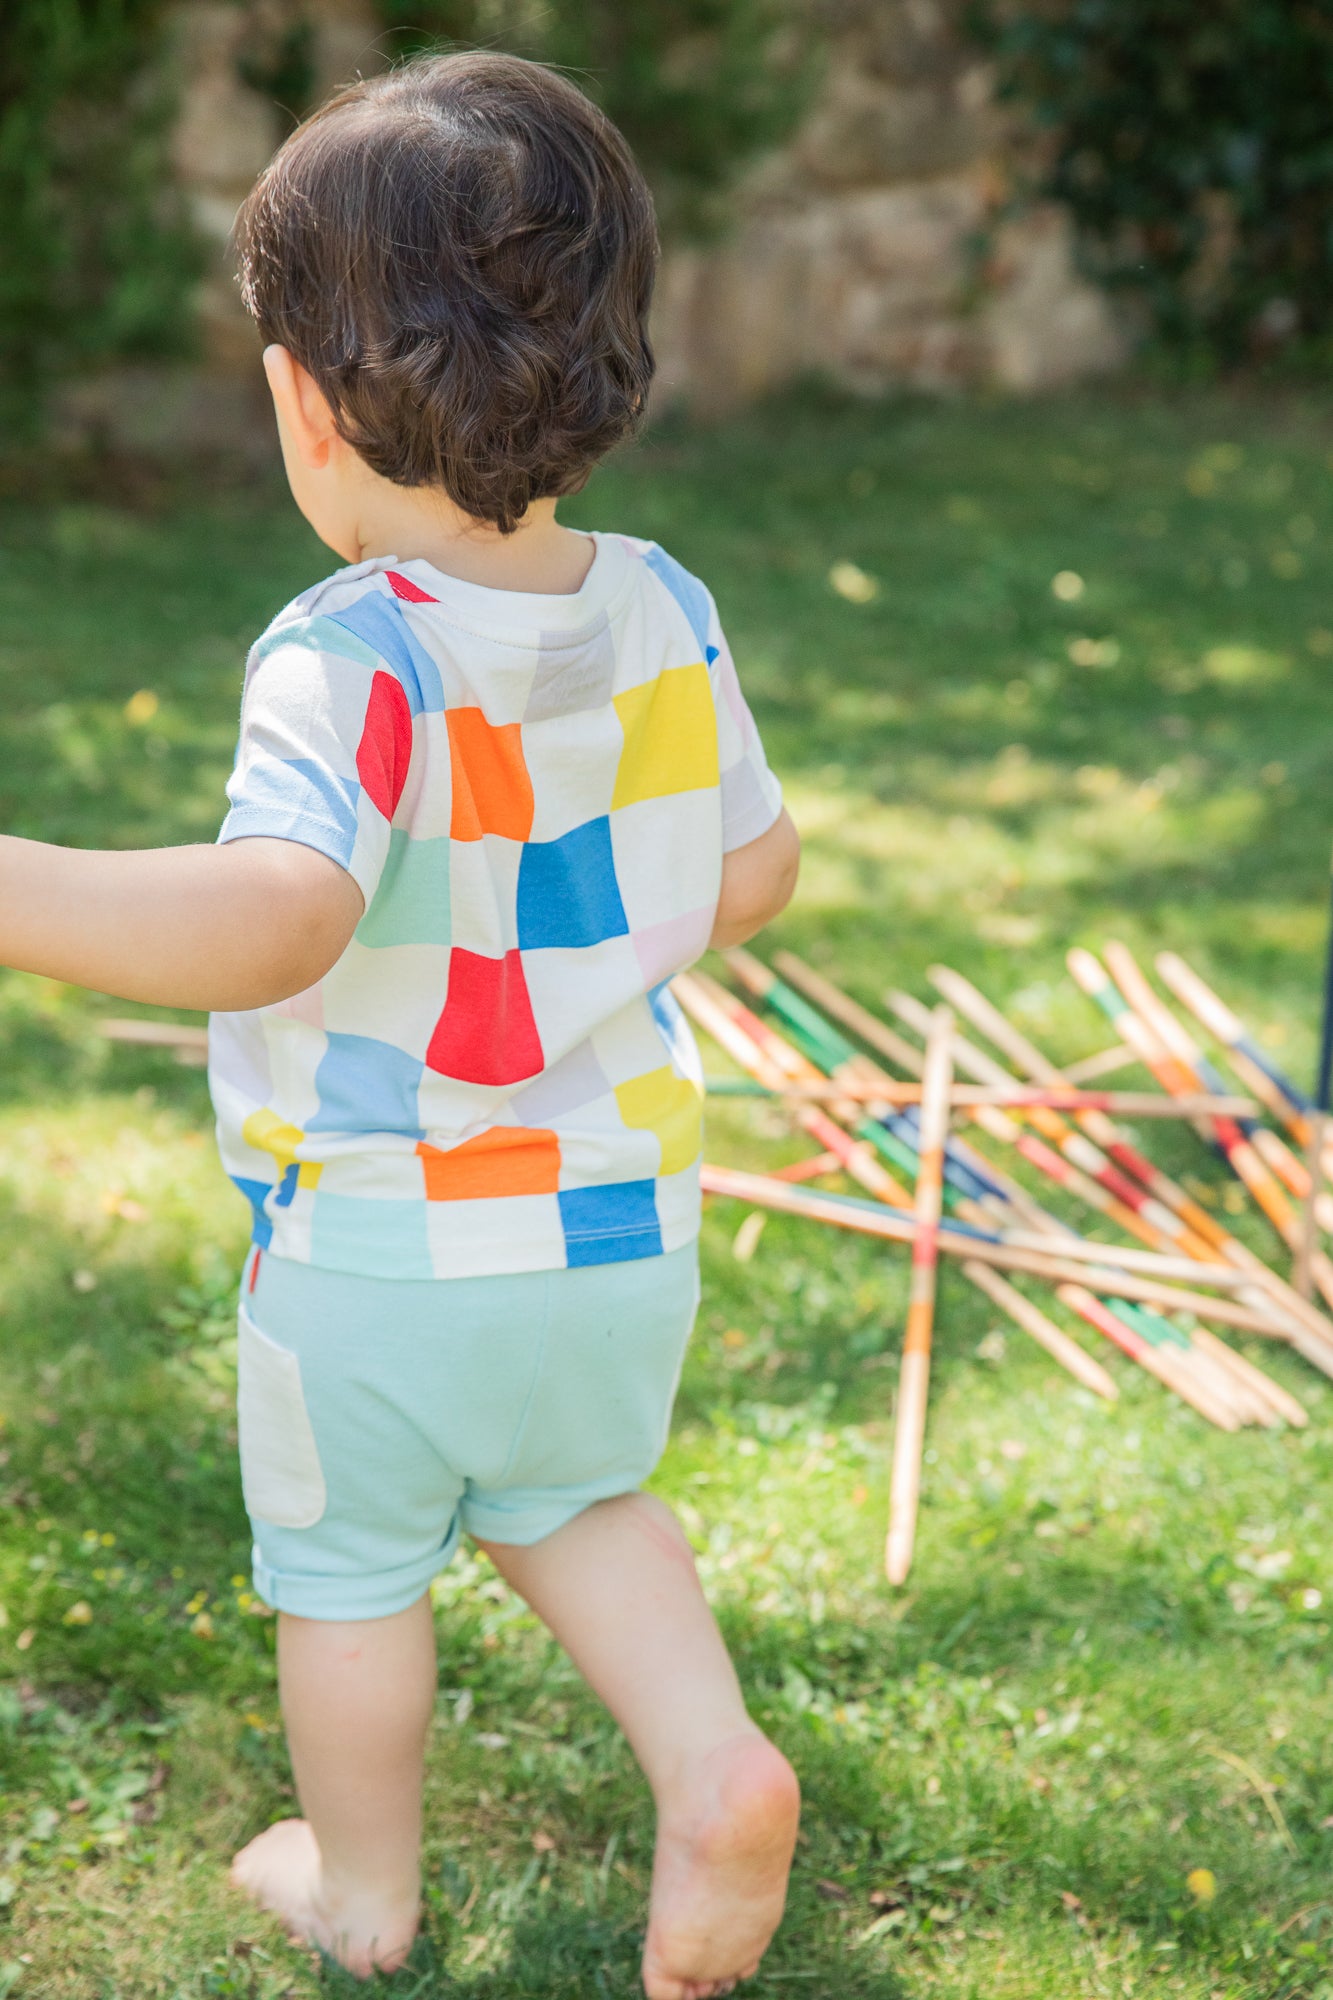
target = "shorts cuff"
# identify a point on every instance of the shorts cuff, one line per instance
(533, 1520)
(334, 1598)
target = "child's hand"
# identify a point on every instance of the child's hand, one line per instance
(218, 928)
(757, 883)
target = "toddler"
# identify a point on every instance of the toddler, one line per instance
(496, 783)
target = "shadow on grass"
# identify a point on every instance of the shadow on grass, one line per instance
(560, 1950)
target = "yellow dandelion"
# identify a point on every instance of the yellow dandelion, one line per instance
(141, 707)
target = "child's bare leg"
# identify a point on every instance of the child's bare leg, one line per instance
(617, 1586)
(357, 1699)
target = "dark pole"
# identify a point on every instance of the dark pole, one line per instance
(1309, 1235)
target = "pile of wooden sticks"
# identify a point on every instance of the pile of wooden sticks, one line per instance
(878, 1092)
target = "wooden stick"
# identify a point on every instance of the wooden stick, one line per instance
(1069, 1244)
(1019, 1097)
(1105, 1063)
(190, 1044)
(1156, 1360)
(1064, 1350)
(1202, 1369)
(1083, 1169)
(1270, 1392)
(1249, 1153)
(1301, 1323)
(914, 1376)
(721, 1017)
(1271, 1150)
(1058, 1264)
(809, 1169)
(1307, 1239)
(1256, 1070)
(1032, 1320)
(841, 1057)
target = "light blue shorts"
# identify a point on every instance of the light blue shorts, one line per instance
(379, 1417)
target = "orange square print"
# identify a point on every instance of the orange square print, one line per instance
(492, 792)
(508, 1159)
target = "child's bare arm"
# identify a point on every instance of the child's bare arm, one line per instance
(757, 883)
(219, 928)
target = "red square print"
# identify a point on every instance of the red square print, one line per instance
(486, 1033)
(385, 750)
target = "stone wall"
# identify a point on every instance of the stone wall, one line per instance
(872, 249)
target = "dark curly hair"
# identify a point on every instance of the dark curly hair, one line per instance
(461, 253)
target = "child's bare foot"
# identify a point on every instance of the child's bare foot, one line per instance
(724, 1848)
(280, 1870)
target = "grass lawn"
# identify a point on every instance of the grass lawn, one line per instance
(1010, 1767)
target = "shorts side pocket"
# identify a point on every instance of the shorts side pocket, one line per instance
(281, 1476)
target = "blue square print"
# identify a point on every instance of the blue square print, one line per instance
(567, 890)
(610, 1225)
(367, 1085)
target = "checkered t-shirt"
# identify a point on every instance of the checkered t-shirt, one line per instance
(534, 795)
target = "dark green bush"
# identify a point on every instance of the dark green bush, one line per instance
(1193, 141)
(97, 259)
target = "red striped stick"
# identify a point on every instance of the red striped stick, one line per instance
(1158, 1361)
(914, 1377)
(1058, 1345)
(1061, 1261)
(1278, 1157)
(1139, 1215)
(722, 1016)
(1212, 1013)
(1199, 1235)
(1307, 1328)
(1176, 1060)
(1151, 1222)
(1251, 1169)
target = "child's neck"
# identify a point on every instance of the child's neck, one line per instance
(540, 555)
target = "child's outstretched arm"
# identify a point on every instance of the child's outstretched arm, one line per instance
(757, 883)
(221, 928)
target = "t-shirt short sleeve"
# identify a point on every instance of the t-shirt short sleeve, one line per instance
(325, 744)
(751, 794)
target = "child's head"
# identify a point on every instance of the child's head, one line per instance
(460, 255)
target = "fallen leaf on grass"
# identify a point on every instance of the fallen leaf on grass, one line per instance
(78, 1614)
(854, 584)
(746, 1240)
(1070, 1900)
(832, 1892)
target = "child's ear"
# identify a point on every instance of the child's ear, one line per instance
(303, 412)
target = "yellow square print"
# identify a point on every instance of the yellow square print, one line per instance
(670, 736)
(670, 1107)
(267, 1133)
